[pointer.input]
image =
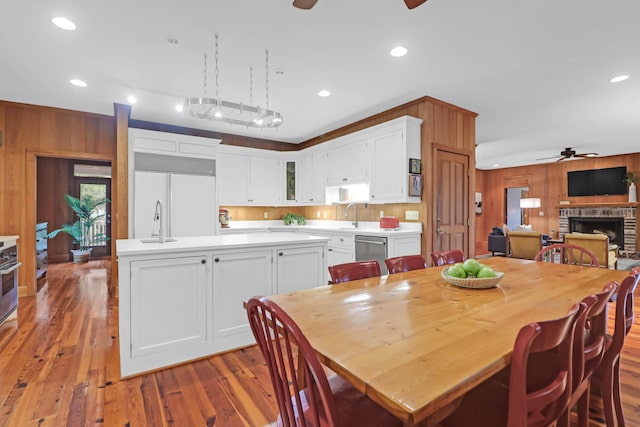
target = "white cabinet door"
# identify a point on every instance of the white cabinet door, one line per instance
(347, 164)
(388, 180)
(168, 304)
(406, 245)
(313, 177)
(300, 268)
(148, 187)
(193, 209)
(232, 172)
(264, 182)
(237, 276)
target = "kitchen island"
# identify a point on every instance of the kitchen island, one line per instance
(182, 300)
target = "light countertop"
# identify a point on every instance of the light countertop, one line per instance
(128, 247)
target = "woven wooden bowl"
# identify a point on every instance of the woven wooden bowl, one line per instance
(472, 282)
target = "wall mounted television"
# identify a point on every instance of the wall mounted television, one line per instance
(597, 182)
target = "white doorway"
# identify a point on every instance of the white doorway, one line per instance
(514, 212)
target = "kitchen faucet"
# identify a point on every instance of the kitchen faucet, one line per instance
(157, 216)
(355, 208)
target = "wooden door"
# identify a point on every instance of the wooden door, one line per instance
(451, 213)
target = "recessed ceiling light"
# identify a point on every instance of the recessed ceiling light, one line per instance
(496, 165)
(64, 23)
(619, 78)
(179, 108)
(78, 82)
(131, 99)
(324, 93)
(398, 51)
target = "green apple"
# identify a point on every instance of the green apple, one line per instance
(486, 272)
(457, 271)
(471, 266)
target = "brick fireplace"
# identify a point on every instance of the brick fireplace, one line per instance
(619, 222)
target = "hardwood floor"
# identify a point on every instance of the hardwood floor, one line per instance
(61, 368)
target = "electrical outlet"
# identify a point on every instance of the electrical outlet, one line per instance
(318, 214)
(411, 214)
(541, 213)
(381, 214)
(266, 215)
(325, 214)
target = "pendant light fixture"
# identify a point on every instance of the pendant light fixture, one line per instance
(235, 113)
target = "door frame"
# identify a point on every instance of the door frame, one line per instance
(27, 242)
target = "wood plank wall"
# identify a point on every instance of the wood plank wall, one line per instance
(31, 131)
(547, 181)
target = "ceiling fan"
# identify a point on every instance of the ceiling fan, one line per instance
(569, 153)
(308, 4)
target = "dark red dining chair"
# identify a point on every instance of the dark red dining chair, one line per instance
(400, 264)
(447, 257)
(588, 351)
(353, 271)
(521, 404)
(608, 373)
(567, 254)
(320, 402)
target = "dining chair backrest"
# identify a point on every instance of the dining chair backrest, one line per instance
(353, 271)
(546, 402)
(276, 334)
(400, 264)
(608, 372)
(567, 254)
(597, 244)
(524, 244)
(589, 342)
(451, 256)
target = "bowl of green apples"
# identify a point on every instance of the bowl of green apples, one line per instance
(471, 274)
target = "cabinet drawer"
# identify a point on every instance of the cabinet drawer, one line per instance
(344, 240)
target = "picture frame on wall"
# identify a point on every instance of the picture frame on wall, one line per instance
(415, 185)
(415, 166)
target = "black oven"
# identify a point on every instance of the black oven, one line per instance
(9, 276)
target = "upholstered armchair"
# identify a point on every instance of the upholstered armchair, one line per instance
(599, 245)
(524, 244)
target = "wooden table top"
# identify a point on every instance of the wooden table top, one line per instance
(415, 344)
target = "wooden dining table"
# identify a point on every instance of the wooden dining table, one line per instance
(416, 344)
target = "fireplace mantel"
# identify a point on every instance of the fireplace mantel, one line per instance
(598, 204)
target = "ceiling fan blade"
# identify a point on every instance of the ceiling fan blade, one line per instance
(586, 155)
(414, 3)
(304, 4)
(549, 158)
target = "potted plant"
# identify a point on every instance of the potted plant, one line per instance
(631, 179)
(290, 219)
(82, 231)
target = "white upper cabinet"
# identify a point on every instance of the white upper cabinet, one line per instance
(390, 148)
(148, 141)
(312, 177)
(233, 179)
(347, 163)
(251, 178)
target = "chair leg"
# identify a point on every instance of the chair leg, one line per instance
(583, 408)
(606, 392)
(616, 395)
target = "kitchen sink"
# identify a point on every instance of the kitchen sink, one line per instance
(156, 240)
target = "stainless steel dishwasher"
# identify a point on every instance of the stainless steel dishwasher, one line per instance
(372, 247)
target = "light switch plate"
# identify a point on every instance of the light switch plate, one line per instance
(266, 215)
(381, 214)
(411, 214)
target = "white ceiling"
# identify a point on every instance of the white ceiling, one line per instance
(536, 72)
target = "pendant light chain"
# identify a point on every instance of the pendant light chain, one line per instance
(250, 85)
(266, 54)
(205, 76)
(217, 71)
